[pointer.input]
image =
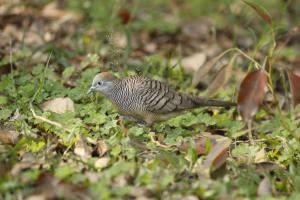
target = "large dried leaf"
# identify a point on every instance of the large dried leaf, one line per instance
(294, 81)
(260, 11)
(251, 93)
(219, 80)
(59, 105)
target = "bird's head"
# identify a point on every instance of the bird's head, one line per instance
(103, 82)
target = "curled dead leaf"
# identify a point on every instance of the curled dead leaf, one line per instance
(294, 80)
(82, 149)
(8, 136)
(102, 147)
(59, 105)
(218, 155)
(251, 93)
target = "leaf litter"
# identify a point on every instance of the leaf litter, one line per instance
(110, 164)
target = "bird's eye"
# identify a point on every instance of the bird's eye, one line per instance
(99, 83)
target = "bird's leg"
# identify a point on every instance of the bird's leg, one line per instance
(132, 119)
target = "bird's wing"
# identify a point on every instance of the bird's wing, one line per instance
(161, 99)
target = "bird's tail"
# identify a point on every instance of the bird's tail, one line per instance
(200, 101)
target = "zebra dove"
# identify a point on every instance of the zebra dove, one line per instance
(145, 100)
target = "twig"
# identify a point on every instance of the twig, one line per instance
(44, 119)
(47, 120)
(157, 143)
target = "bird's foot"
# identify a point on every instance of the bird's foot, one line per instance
(132, 119)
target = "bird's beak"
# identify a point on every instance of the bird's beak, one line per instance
(90, 90)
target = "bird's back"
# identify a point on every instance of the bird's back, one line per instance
(150, 100)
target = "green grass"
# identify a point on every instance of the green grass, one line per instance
(139, 166)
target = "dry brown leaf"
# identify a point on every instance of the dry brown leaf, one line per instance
(294, 80)
(251, 93)
(50, 187)
(192, 63)
(59, 105)
(219, 80)
(124, 15)
(264, 187)
(8, 136)
(202, 142)
(102, 162)
(102, 147)
(82, 149)
(218, 155)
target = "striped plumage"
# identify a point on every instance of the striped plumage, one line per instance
(145, 99)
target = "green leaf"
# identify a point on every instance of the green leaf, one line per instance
(64, 171)
(136, 131)
(67, 73)
(5, 113)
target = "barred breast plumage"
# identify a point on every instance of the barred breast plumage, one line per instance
(148, 100)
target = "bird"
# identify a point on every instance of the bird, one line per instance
(147, 101)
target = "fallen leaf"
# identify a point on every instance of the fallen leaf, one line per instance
(203, 143)
(264, 187)
(192, 63)
(218, 155)
(102, 162)
(268, 166)
(124, 15)
(219, 80)
(8, 136)
(251, 93)
(260, 156)
(102, 147)
(59, 105)
(263, 13)
(294, 80)
(82, 149)
(50, 187)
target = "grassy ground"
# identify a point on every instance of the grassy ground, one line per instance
(53, 49)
